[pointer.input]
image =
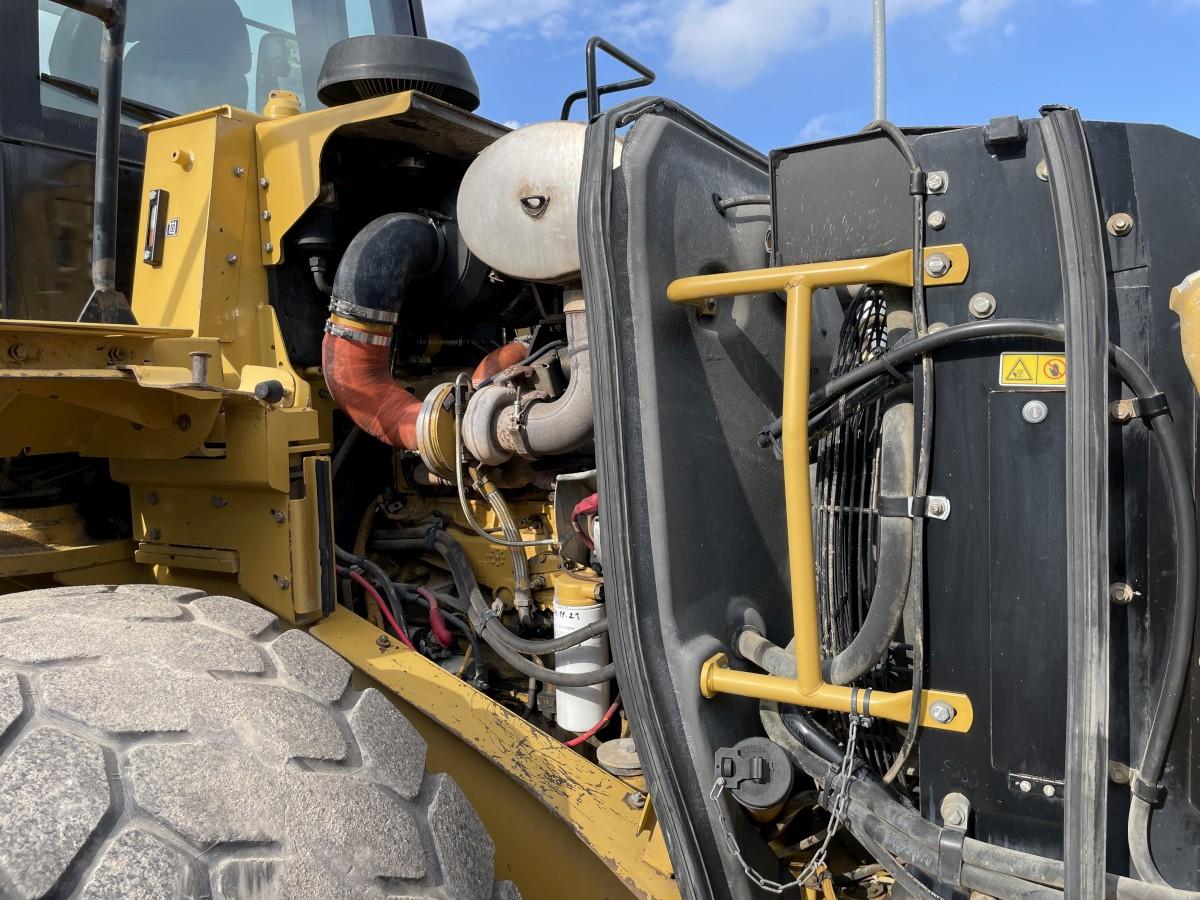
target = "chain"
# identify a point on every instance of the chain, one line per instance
(839, 802)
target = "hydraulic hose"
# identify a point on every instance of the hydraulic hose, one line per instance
(411, 593)
(498, 360)
(381, 580)
(522, 593)
(488, 624)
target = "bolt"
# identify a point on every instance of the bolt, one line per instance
(383, 642)
(153, 534)
(239, 171)
(269, 247)
(637, 800)
(232, 259)
(982, 305)
(537, 582)
(264, 183)
(937, 508)
(935, 181)
(147, 255)
(282, 582)
(1034, 412)
(218, 502)
(1121, 593)
(1048, 790)
(184, 422)
(954, 817)
(937, 264)
(937, 220)
(152, 498)
(278, 515)
(942, 712)
(1118, 772)
(1042, 171)
(1120, 224)
(266, 215)
(1025, 786)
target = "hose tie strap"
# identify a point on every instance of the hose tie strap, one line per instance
(913, 507)
(431, 536)
(1153, 794)
(1151, 407)
(483, 619)
(917, 183)
(900, 377)
(950, 855)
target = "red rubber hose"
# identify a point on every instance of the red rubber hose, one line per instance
(591, 732)
(437, 624)
(383, 607)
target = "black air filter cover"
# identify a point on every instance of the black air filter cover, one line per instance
(376, 65)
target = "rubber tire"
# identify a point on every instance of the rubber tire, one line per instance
(159, 743)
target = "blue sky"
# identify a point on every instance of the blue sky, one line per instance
(777, 72)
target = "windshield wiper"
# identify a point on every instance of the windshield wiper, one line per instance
(146, 112)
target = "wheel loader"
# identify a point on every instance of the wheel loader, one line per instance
(399, 505)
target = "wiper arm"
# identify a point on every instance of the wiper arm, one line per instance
(145, 111)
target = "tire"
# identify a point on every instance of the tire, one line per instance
(159, 743)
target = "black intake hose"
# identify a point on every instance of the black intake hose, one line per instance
(381, 261)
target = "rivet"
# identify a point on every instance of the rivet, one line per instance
(1035, 412)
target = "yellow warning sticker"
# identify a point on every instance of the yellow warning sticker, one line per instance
(1045, 370)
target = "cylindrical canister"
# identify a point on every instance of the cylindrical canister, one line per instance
(579, 708)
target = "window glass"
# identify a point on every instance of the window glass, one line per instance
(184, 55)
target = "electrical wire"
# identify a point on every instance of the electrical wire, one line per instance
(383, 606)
(591, 732)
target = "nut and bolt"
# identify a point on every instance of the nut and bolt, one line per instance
(279, 516)
(282, 582)
(937, 264)
(941, 711)
(232, 259)
(383, 642)
(266, 215)
(637, 800)
(936, 220)
(982, 305)
(1118, 772)
(1025, 785)
(1122, 411)
(1035, 412)
(239, 171)
(1121, 593)
(184, 422)
(1042, 171)
(1120, 224)
(935, 182)
(268, 247)
(537, 582)
(938, 508)
(1048, 790)
(264, 183)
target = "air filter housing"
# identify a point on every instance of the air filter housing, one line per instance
(377, 65)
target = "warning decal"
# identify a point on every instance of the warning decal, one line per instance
(1045, 370)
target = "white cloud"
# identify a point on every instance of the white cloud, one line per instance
(471, 23)
(824, 125)
(731, 42)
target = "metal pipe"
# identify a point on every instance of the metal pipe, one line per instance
(939, 709)
(879, 53)
(106, 304)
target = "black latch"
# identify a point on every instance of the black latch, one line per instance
(1004, 133)
(756, 772)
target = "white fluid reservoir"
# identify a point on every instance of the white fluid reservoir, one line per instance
(579, 708)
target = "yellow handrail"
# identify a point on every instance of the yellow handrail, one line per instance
(950, 263)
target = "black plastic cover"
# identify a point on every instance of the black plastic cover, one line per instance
(376, 65)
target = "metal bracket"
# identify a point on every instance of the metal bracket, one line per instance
(928, 507)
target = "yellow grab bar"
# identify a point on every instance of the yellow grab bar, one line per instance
(939, 709)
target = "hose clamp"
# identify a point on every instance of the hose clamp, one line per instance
(362, 313)
(913, 507)
(358, 337)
